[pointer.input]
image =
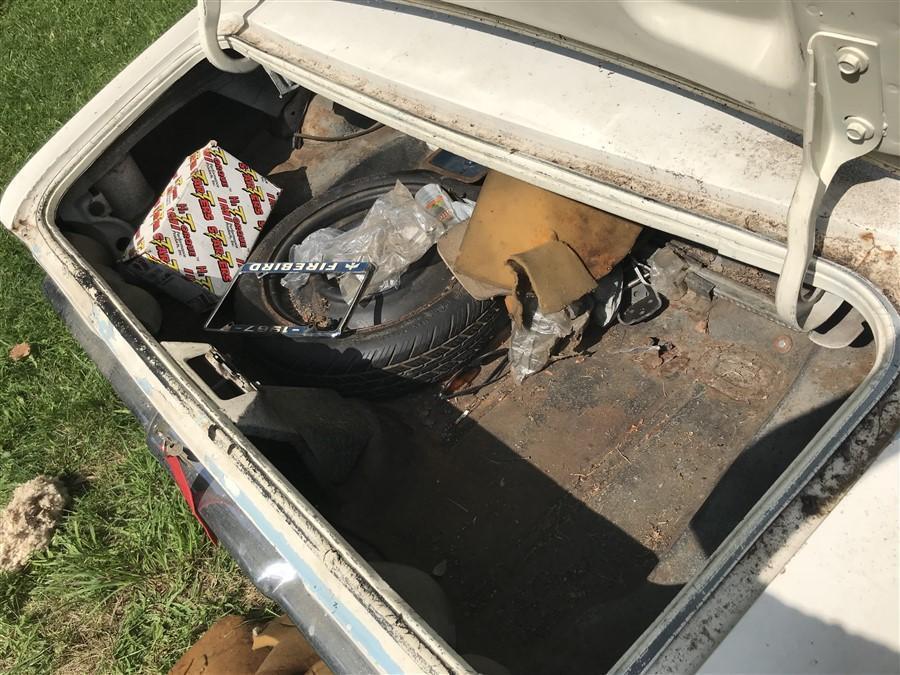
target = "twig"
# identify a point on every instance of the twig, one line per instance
(458, 504)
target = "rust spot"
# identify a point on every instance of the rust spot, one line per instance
(783, 344)
(740, 375)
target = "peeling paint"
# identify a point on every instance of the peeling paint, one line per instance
(144, 384)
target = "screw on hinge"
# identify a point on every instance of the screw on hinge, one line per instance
(852, 61)
(858, 129)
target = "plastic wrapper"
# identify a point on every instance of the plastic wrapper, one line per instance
(531, 344)
(396, 232)
(607, 297)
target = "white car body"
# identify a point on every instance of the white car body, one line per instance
(578, 111)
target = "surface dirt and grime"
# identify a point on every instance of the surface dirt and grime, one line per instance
(576, 505)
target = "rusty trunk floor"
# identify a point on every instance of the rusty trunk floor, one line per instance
(567, 512)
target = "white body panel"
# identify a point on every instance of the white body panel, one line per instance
(594, 132)
(594, 118)
(750, 53)
(835, 608)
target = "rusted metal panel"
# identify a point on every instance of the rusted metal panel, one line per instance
(514, 217)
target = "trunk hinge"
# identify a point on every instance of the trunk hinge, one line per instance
(209, 40)
(844, 120)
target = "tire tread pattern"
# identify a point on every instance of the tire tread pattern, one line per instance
(443, 356)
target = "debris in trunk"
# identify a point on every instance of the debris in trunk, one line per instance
(463, 382)
(396, 232)
(534, 336)
(20, 351)
(643, 301)
(657, 355)
(561, 245)
(662, 354)
(29, 520)
(525, 241)
(314, 313)
(435, 200)
(607, 297)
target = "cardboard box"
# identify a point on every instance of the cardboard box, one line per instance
(202, 228)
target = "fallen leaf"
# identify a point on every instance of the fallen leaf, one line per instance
(20, 351)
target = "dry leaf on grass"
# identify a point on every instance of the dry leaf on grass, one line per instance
(20, 351)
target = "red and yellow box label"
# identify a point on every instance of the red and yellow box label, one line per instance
(202, 227)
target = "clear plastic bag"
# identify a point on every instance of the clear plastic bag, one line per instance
(607, 297)
(396, 232)
(532, 343)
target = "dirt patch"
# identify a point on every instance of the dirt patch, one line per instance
(314, 312)
(741, 375)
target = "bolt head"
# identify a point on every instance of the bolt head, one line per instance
(852, 61)
(858, 129)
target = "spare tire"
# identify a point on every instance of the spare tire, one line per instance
(420, 332)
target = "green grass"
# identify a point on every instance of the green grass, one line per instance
(129, 580)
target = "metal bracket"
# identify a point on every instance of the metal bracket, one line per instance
(283, 85)
(844, 120)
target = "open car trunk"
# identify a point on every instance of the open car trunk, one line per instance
(559, 516)
(561, 519)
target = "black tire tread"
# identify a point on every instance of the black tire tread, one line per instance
(427, 346)
(441, 359)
